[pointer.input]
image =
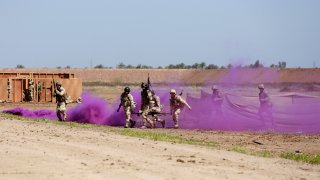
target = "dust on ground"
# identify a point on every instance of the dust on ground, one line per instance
(38, 150)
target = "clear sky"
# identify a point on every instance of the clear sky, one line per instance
(43, 33)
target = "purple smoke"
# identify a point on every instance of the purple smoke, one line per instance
(41, 113)
(291, 112)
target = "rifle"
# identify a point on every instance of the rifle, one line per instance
(181, 93)
(149, 83)
(152, 113)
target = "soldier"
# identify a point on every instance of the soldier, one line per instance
(31, 90)
(9, 89)
(154, 107)
(144, 109)
(39, 88)
(128, 105)
(265, 104)
(176, 106)
(217, 99)
(61, 98)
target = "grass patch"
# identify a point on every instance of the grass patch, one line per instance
(156, 136)
(308, 158)
(43, 120)
(263, 153)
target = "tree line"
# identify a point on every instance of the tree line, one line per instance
(202, 65)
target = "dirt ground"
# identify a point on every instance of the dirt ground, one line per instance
(37, 150)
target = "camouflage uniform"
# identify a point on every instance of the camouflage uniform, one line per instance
(154, 106)
(128, 105)
(61, 98)
(265, 104)
(217, 99)
(39, 88)
(144, 109)
(176, 106)
(31, 90)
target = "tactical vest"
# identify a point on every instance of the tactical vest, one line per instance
(176, 102)
(144, 98)
(125, 100)
(62, 98)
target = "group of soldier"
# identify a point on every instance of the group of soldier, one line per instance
(29, 95)
(151, 107)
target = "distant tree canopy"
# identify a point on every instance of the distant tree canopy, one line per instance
(281, 65)
(20, 66)
(201, 65)
(100, 66)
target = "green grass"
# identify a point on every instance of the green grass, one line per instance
(263, 153)
(308, 158)
(157, 136)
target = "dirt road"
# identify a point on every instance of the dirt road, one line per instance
(36, 150)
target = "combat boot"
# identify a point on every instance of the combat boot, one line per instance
(176, 126)
(143, 127)
(152, 125)
(65, 117)
(132, 123)
(127, 125)
(163, 123)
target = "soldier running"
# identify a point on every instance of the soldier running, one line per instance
(154, 108)
(61, 98)
(128, 105)
(217, 99)
(265, 104)
(144, 109)
(176, 106)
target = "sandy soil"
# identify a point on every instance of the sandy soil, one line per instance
(33, 150)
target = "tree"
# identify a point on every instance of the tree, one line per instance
(121, 65)
(100, 66)
(129, 66)
(212, 66)
(202, 65)
(20, 66)
(68, 67)
(282, 64)
(195, 66)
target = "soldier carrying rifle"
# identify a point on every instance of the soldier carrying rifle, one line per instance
(128, 105)
(176, 106)
(154, 108)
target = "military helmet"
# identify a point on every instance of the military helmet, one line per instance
(58, 83)
(261, 86)
(142, 85)
(127, 89)
(146, 86)
(173, 91)
(214, 87)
